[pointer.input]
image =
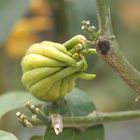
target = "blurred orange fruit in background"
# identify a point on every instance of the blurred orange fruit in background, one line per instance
(130, 14)
(27, 30)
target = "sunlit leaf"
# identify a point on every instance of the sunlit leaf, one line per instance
(13, 100)
(6, 136)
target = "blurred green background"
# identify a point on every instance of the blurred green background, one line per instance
(24, 22)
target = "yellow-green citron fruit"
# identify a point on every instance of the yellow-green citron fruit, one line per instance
(50, 71)
(51, 52)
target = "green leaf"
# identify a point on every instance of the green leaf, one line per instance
(14, 100)
(37, 138)
(10, 11)
(6, 136)
(93, 133)
(78, 103)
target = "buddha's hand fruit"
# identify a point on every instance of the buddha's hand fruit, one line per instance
(50, 69)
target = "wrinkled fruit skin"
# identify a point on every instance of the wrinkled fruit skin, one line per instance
(49, 71)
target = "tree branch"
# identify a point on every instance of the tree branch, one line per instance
(94, 119)
(104, 19)
(109, 51)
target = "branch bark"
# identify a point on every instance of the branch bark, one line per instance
(113, 56)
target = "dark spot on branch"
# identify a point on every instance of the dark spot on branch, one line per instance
(103, 46)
